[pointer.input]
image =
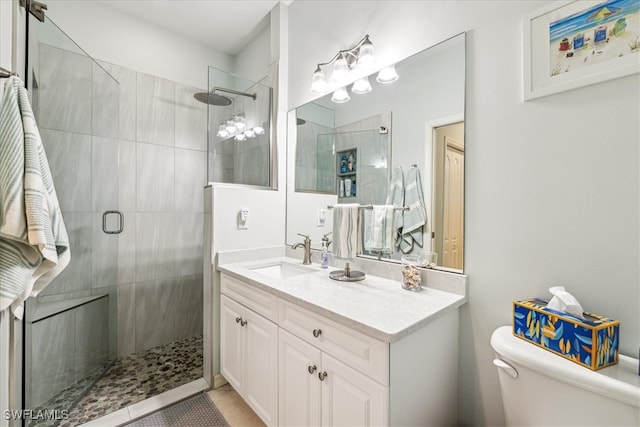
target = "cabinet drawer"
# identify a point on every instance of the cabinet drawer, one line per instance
(257, 300)
(361, 352)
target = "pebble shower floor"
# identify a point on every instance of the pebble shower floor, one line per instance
(130, 379)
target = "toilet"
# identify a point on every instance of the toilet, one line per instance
(540, 388)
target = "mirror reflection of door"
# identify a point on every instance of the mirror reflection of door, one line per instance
(448, 232)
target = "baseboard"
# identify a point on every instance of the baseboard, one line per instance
(219, 381)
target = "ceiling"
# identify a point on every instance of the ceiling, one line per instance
(223, 25)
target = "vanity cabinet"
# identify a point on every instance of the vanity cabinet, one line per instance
(318, 390)
(249, 357)
(297, 366)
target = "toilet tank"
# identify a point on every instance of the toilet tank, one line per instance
(541, 388)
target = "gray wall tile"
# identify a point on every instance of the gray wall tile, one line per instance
(64, 90)
(189, 308)
(104, 174)
(127, 100)
(188, 243)
(69, 156)
(126, 319)
(155, 110)
(191, 119)
(190, 179)
(154, 178)
(105, 253)
(127, 176)
(91, 336)
(155, 313)
(105, 103)
(127, 249)
(52, 359)
(77, 275)
(155, 246)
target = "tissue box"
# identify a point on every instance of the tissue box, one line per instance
(592, 342)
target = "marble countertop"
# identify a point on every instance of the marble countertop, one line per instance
(375, 306)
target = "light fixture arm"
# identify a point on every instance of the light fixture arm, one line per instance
(347, 53)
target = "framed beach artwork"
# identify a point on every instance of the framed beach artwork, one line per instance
(571, 44)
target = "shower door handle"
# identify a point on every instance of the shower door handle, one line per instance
(105, 214)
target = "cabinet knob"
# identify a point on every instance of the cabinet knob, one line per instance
(312, 369)
(238, 319)
(243, 322)
(322, 375)
(317, 332)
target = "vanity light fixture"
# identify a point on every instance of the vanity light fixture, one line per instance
(361, 86)
(236, 127)
(348, 65)
(340, 95)
(387, 75)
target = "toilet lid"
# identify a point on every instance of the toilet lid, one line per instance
(620, 381)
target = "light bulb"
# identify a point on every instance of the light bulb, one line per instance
(319, 84)
(366, 60)
(240, 137)
(340, 70)
(387, 75)
(339, 96)
(259, 130)
(222, 131)
(361, 86)
(250, 133)
(239, 121)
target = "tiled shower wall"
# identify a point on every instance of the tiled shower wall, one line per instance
(150, 163)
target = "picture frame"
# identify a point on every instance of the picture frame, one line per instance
(571, 44)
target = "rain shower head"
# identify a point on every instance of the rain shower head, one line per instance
(212, 98)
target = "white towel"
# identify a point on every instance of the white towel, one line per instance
(345, 230)
(415, 218)
(379, 232)
(34, 247)
(395, 197)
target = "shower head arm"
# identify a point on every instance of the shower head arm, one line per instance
(234, 92)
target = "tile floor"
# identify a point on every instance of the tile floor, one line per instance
(233, 408)
(131, 379)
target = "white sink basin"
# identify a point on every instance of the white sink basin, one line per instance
(282, 270)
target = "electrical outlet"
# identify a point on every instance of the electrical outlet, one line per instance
(243, 219)
(322, 215)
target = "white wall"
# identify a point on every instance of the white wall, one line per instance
(552, 185)
(109, 35)
(250, 62)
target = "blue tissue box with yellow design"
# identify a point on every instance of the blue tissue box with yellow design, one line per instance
(592, 342)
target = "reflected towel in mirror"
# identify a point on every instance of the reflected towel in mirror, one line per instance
(379, 230)
(345, 230)
(395, 197)
(415, 218)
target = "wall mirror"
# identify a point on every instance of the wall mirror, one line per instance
(414, 122)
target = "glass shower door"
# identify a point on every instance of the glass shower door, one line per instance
(71, 326)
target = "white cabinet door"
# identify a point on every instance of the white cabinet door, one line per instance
(350, 398)
(231, 343)
(299, 387)
(261, 366)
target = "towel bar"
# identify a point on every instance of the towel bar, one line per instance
(404, 208)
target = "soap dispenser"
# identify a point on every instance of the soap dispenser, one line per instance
(324, 262)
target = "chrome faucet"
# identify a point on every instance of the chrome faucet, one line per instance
(307, 248)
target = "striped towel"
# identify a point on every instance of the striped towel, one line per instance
(378, 229)
(395, 197)
(345, 230)
(415, 218)
(34, 247)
